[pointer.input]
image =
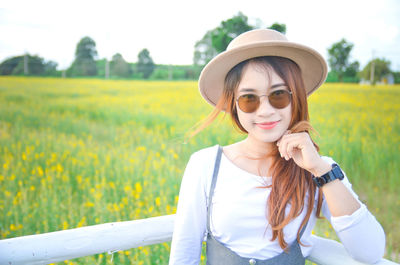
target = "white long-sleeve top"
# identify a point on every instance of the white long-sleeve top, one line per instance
(238, 218)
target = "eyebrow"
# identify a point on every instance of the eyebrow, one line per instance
(252, 89)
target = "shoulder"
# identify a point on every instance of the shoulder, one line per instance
(205, 154)
(201, 166)
(202, 161)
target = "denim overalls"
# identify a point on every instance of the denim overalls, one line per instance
(218, 254)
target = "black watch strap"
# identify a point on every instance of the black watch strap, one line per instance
(334, 173)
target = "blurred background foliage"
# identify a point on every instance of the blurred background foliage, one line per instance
(214, 41)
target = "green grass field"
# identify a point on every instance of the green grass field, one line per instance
(77, 152)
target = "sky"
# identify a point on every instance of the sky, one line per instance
(169, 29)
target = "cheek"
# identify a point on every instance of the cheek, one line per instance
(244, 121)
(238, 120)
(287, 113)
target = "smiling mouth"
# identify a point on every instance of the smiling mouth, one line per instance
(267, 125)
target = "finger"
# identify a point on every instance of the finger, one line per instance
(289, 143)
(283, 148)
(293, 146)
(287, 138)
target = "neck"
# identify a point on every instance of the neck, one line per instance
(253, 148)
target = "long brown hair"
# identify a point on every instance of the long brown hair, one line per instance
(290, 183)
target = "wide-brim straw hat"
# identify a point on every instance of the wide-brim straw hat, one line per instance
(256, 43)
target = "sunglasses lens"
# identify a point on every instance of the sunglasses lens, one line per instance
(279, 99)
(248, 103)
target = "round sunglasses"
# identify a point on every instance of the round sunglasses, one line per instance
(278, 99)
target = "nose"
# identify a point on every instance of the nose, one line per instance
(265, 107)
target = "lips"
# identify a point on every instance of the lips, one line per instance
(267, 125)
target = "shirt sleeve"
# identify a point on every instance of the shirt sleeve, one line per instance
(191, 216)
(360, 233)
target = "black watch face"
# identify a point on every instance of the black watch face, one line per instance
(338, 173)
(320, 181)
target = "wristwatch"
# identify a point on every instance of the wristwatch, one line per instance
(335, 173)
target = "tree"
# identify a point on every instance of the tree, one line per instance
(381, 68)
(204, 50)
(228, 30)
(338, 60)
(36, 66)
(351, 73)
(85, 54)
(278, 27)
(119, 67)
(145, 64)
(216, 40)
(396, 76)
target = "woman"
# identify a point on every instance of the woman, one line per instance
(256, 201)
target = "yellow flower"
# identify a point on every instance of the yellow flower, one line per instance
(89, 204)
(145, 250)
(127, 188)
(82, 222)
(141, 148)
(158, 201)
(166, 246)
(79, 179)
(59, 168)
(138, 187)
(115, 207)
(111, 184)
(15, 227)
(98, 195)
(39, 171)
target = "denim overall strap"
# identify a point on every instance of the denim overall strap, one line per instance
(218, 254)
(213, 182)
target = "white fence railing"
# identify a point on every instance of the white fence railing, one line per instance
(110, 237)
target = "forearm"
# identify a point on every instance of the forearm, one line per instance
(338, 197)
(358, 230)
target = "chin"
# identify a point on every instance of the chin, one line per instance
(268, 138)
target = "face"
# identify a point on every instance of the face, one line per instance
(266, 124)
